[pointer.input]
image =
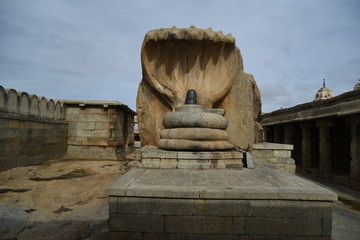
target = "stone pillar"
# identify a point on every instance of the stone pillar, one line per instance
(306, 142)
(355, 147)
(277, 134)
(289, 132)
(324, 126)
(268, 134)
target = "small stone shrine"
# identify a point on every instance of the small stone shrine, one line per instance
(197, 112)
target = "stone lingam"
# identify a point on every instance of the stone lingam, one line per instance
(195, 128)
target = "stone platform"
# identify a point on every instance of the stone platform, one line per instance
(261, 203)
(152, 157)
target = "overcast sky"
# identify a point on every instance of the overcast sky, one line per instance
(90, 49)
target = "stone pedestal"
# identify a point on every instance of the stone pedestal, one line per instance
(276, 154)
(261, 203)
(151, 157)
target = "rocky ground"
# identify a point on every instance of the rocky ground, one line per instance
(59, 199)
(63, 199)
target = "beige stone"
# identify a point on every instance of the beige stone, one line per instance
(194, 134)
(212, 68)
(194, 119)
(181, 144)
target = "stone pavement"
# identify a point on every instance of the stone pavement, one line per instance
(346, 223)
(67, 200)
(346, 211)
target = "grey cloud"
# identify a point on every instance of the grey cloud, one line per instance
(81, 49)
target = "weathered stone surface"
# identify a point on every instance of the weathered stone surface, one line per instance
(155, 206)
(137, 223)
(223, 204)
(198, 224)
(57, 200)
(226, 85)
(194, 120)
(274, 153)
(194, 134)
(99, 129)
(181, 144)
(276, 226)
(26, 140)
(222, 184)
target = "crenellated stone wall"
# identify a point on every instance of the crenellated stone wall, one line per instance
(24, 104)
(32, 129)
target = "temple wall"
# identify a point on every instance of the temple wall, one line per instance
(99, 129)
(36, 129)
(325, 135)
(32, 129)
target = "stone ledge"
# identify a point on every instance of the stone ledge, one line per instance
(151, 157)
(219, 184)
(272, 146)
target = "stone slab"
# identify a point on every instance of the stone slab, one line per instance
(272, 146)
(263, 182)
(151, 157)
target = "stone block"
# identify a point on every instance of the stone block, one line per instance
(239, 225)
(136, 223)
(198, 224)
(221, 164)
(157, 206)
(291, 168)
(194, 155)
(282, 153)
(151, 162)
(81, 125)
(274, 226)
(256, 192)
(307, 238)
(209, 155)
(196, 164)
(119, 186)
(327, 225)
(209, 207)
(272, 146)
(162, 192)
(201, 237)
(266, 238)
(155, 236)
(113, 205)
(125, 235)
(4, 123)
(8, 162)
(89, 133)
(103, 125)
(159, 154)
(168, 163)
(282, 208)
(312, 194)
(10, 133)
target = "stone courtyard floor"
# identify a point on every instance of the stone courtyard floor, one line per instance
(62, 199)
